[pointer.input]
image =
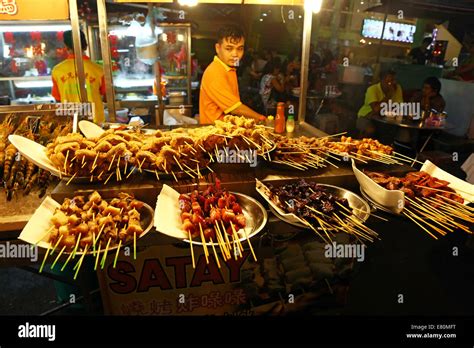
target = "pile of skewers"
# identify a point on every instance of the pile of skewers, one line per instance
(16, 172)
(301, 153)
(320, 210)
(214, 216)
(92, 226)
(429, 202)
(100, 159)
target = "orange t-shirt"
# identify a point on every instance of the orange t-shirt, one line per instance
(219, 92)
(66, 86)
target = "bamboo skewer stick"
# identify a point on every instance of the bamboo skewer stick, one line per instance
(413, 214)
(215, 254)
(97, 258)
(44, 260)
(56, 244)
(191, 246)
(203, 240)
(439, 190)
(460, 205)
(111, 162)
(71, 178)
(67, 261)
(407, 157)
(65, 161)
(236, 235)
(117, 253)
(76, 246)
(106, 181)
(95, 161)
(57, 257)
(405, 213)
(79, 264)
(135, 245)
(220, 237)
(104, 256)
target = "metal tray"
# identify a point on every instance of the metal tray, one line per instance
(355, 201)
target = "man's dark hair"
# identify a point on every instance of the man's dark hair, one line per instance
(67, 37)
(434, 83)
(427, 40)
(384, 73)
(231, 32)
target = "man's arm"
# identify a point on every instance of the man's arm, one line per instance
(245, 111)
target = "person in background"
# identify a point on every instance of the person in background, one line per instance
(430, 97)
(219, 86)
(66, 84)
(387, 89)
(271, 85)
(419, 55)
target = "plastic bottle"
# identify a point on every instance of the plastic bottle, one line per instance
(280, 118)
(290, 124)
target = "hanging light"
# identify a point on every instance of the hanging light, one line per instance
(188, 2)
(313, 5)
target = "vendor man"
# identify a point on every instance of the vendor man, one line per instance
(66, 84)
(219, 87)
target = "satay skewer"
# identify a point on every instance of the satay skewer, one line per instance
(97, 258)
(405, 213)
(56, 244)
(79, 264)
(117, 253)
(215, 254)
(44, 260)
(71, 178)
(111, 162)
(76, 246)
(57, 257)
(191, 247)
(203, 240)
(65, 161)
(104, 257)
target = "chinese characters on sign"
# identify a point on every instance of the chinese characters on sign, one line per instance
(8, 7)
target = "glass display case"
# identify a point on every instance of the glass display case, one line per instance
(174, 49)
(134, 76)
(28, 52)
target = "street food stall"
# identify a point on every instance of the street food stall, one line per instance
(234, 218)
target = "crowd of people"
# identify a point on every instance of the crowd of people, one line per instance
(266, 78)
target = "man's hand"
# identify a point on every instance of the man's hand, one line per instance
(245, 111)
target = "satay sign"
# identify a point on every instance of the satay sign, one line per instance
(168, 284)
(34, 10)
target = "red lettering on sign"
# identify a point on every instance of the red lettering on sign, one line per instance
(153, 275)
(125, 283)
(206, 272)
(179, 264)
(235, 265)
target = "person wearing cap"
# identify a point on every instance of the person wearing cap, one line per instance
(219, 93)
(66, 83)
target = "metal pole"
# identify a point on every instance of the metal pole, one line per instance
(307, 24)
(76, 37)
(106, 57)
